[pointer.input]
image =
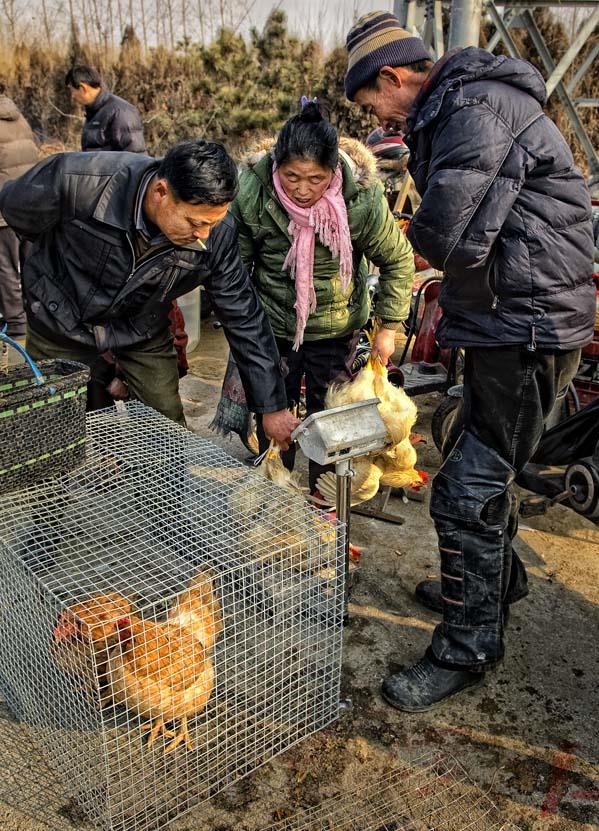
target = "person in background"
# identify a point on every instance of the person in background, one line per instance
(18, 152)
(111, 123)
(506, 215)
(311, 214)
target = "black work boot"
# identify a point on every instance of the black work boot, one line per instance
(425, 685)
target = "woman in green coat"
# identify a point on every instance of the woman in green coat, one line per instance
(311, 214)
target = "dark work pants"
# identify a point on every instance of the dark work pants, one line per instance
(508, 395)
(322, 362)
(150, 370)
(11, 298)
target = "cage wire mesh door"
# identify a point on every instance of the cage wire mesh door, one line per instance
(430, 792)
(170, 620)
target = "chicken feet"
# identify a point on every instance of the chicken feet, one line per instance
(181, 736)
(158, 726)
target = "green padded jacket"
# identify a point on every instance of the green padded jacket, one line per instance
(376, 239)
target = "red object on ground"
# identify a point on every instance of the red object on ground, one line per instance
(180, 338)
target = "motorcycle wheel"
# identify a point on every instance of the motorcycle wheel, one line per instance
(442, 419)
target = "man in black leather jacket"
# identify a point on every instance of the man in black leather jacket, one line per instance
(111, 123)
(505, 215)
(116, 237)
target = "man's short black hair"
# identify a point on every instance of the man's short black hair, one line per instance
(82, 74)
(200, 172)
(417, 67)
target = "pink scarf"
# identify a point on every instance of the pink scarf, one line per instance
(328, 219)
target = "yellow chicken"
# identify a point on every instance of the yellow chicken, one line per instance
(397, 410)
(198, 610)
(397, 465)
(161, 672)
(394, 466)
(290, 533)
(272, 468)
(364, 484)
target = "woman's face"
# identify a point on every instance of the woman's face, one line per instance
(304, 181)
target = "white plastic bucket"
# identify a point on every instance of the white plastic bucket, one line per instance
(190, 308)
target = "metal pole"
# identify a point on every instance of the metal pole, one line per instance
(502, 30)
(545, 55)
(438, 32)
(345, 472)
(415, 17)
(464, 25)
(508, 15)
(579, 41)
(544, 4)
(400, 10)
(580, 73)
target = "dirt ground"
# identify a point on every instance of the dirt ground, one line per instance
(529, 736)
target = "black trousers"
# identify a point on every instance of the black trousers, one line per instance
(321, 362)
(12, 253)
(508, 396)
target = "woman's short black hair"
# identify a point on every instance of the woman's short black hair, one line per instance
(200, 172)
(308, 135)
(82, 74)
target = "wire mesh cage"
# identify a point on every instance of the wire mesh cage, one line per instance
(431, 792)
(170, 620)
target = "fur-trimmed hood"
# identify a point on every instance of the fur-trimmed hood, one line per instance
(360, 160)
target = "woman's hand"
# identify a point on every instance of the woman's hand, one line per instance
(279, 426)
(384, 345)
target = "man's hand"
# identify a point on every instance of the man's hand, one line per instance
(384, 345)
(279, 426)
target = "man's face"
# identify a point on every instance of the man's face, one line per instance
(181, 222)
(391, 101)
(83, 94)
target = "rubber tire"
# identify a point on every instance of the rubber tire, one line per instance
(442, 419)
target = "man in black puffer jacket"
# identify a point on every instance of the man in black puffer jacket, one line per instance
(116, 237)
(507, 216)
(111, 123)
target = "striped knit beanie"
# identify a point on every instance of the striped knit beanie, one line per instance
(375, 41)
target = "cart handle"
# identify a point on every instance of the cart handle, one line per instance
(39, 378)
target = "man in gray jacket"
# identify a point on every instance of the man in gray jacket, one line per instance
(18, 152)
(507, 216)
(111, 123)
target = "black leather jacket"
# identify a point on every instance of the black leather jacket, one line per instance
(81, 281)
(111, 123)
